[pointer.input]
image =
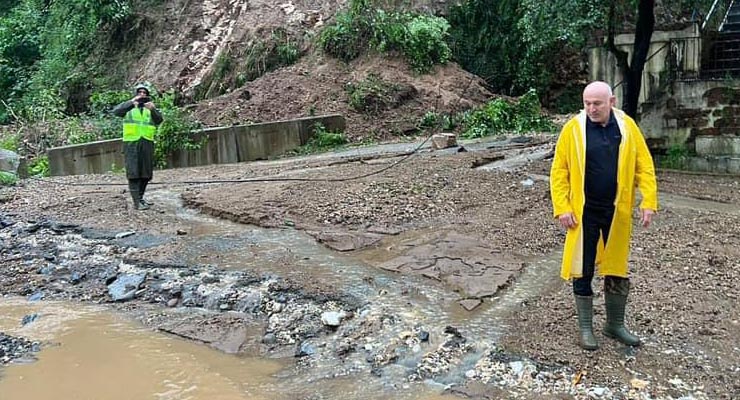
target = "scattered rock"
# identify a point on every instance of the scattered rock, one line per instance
(125, 234)
(125, 287)
(27, 319)
(332, 318)
(470, 304)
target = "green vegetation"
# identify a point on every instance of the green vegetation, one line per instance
(675, 157)
(501, 116)
(39, 166)
(422, 39)
(175, 132)
(44, 50)
(7, 179)
(372, 94)
(232, 71)
(321, 141)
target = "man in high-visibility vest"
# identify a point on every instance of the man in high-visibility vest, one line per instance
(140, 122)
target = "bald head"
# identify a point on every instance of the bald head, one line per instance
(598, 101)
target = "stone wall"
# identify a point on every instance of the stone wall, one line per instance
(701, 116)
(222, 145)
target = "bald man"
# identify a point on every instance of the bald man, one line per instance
(600, 158)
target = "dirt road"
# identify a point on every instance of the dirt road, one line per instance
(467, 236)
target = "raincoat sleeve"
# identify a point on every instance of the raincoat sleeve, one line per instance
(121, 109)
(645, 174)
(560, 176)
(157, 117)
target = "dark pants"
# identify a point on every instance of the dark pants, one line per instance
(596, 222)
(139, 157)
(137, 187)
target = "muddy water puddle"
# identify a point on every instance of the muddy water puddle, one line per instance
(89, 353)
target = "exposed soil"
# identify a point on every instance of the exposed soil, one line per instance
(436, 206)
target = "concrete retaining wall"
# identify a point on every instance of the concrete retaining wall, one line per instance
(687, 45)
(701, 116)
(222, 145)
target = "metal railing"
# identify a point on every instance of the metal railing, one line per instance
(716, 16)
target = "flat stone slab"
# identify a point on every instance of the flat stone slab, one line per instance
(467, 265)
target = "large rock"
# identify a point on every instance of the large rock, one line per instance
(9, 161)
(444, 140)
(125, 286)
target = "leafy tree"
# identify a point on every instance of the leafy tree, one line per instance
(486, 41)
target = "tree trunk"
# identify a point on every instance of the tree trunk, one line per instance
(632, 71)
(643, 35)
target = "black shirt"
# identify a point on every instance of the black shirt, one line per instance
(602, 155)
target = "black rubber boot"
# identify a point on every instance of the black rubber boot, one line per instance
(615, 296)
(142, 189)
(133, 188)
(585, 308)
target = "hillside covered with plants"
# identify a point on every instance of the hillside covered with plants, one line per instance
(393, 70)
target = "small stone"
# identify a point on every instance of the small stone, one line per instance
(470, 304)
(172, 302)
(306, 349)
(76, 278)
(638, 383)
(181, 232)
(332, 318)
(36, 296)
(224, 307)
(517, 367)
(423, 336)
(269, 338)
(27, 319)
(122, 235)
(597, 392)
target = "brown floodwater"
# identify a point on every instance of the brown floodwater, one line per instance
(90, 353)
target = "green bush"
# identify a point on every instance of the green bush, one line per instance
(501, 116)
(346, 38)
(675, 157)
(7, 178)
(370, 95)
(422, 39)
(430, 119)
(322, 140)
(39, 166)
(9, 142)
(175, 132)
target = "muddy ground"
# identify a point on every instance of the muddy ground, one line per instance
(473, 233)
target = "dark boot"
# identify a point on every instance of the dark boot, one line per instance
(142, 189)
(615, 297)
(585, 308)
(133, 189)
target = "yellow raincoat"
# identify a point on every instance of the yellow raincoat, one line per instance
(567, 188)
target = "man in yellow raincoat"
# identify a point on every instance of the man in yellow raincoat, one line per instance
(600, 158)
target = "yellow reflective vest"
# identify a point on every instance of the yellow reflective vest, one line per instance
(567, 188)
(138, 124)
